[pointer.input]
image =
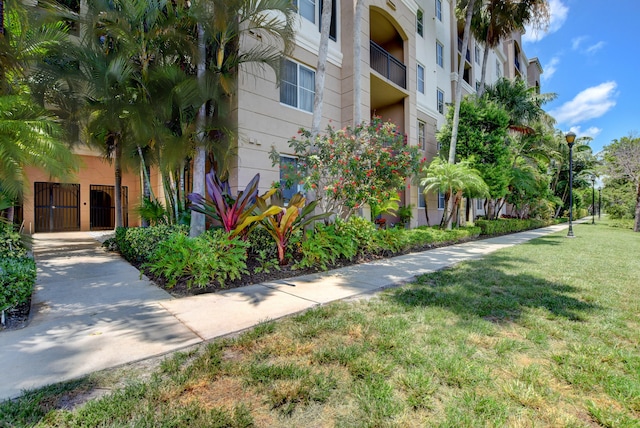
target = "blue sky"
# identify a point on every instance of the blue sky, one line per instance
(591, 60)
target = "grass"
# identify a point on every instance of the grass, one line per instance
(541, 334)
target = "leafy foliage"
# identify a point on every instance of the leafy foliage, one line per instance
(234, 214)
(136, 244)
(502, 226)
(17, 277)
(286, 221)
(351, 167)
(324, 245)
(211, 257)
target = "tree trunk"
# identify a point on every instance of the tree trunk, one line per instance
(357, 63)
(458, 95)
(321, 69)
(118, 181)
(483, 76)
(200, 158)
(147, 192)
(636, 226)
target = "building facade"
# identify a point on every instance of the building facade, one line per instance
(410, 51)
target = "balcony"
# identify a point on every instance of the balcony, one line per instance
(468, 55)
(388, 66)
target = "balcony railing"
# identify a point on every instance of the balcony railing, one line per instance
(468, 55)
(388, 66)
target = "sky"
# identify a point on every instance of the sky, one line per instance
(590, 55)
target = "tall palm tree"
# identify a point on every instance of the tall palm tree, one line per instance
(493, 20)
(455, 181)
(224, 29)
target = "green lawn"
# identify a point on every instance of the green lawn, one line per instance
(542, 334)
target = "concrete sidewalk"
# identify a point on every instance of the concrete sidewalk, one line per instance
(91, 310)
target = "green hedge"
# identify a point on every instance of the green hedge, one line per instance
(136, 244)
(512, 225)
(17, 277)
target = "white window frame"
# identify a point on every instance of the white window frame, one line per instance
(420, 22)
(440, 54)
(498, 69)
(441, 197)
(422, 134)
(422, 201)
(420, 79)
(440, 100)
(314, 8)
(477, 54)
(439, 10)
(299, 89)
(479, 204)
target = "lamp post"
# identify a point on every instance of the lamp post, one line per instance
(571, 138)
(599, 200)
(593, 199)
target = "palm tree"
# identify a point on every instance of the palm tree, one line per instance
(224, 28)
(455, 181)
(494, 20)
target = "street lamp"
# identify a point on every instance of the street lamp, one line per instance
(599, 200)
(571, 138)
(593, 199)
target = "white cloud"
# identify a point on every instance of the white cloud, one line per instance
(550, 68)
(575, 42)
(558, 12)
(592, 131)
(595, 48)
(589, 104)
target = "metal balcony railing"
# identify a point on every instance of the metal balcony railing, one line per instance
(388, 66)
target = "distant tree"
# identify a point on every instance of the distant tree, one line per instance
(622, 161)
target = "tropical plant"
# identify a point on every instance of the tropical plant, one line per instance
(482, 139)
(351, 167)
(454, 180)
(233, 214)
(286, 221)
(494, 20)
(221, 26)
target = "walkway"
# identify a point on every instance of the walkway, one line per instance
(91, 310)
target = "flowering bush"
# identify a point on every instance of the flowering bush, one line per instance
(351, 167)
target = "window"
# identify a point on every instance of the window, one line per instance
(297, 87)
(307, 9)
(476, 54)
(422, 135)
(421, 202)
(440, 200)
(439, 10)
(420, 23)
(479, 204)
(420, 79)
(498, 69)
(438, 145)
(440, 54)
(288, 168)
(333, 29)
(440, 101)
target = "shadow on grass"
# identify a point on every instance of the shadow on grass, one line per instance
(547, 240)
(486, 290)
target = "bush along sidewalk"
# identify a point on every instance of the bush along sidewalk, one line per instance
(17, 277)
(513, 225)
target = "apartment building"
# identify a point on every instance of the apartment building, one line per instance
(410, 51)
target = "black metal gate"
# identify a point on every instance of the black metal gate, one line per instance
(57, 207)
(103, 208)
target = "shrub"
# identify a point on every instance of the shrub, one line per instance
(358, 229)
(391, 240)
(211, 257)
(11, 244)
(325, 245)
(137, 243)
(17, 277)
(510, 225)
